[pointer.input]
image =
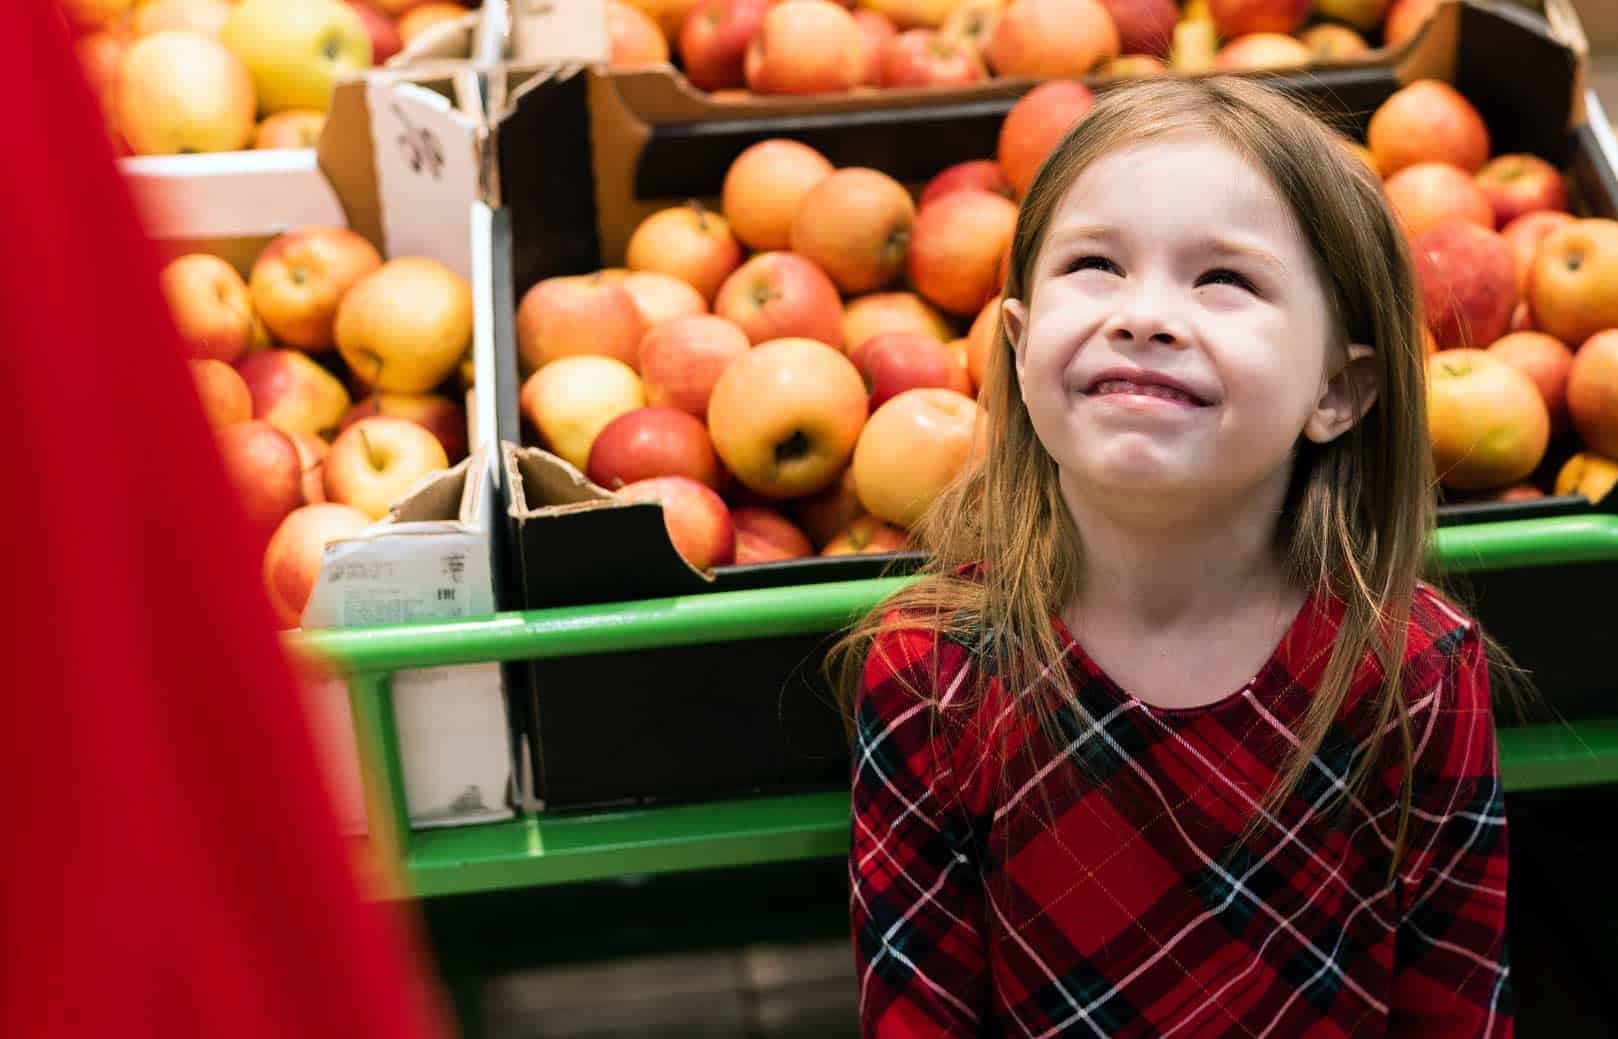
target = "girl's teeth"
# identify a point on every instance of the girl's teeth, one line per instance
(1145, 389)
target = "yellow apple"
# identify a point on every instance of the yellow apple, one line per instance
(912, 449)
(179, 92)
(377, 460)
(302, 276)
(571, 400)
(404, 327)
(296, 50)
(204, 16)
(292, 392)
(210, 305)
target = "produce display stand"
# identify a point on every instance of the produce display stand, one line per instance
(542, 850)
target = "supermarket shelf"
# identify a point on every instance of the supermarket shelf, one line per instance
(536, 852)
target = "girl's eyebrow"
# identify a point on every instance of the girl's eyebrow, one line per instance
(1085, 233)
(1242, 250)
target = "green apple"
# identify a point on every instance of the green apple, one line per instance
(296, 50)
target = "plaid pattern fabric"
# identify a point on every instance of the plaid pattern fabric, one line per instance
(1005, 887)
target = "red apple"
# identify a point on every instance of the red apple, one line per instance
(210, 306)
(879, 31)
(1524, 235)
(682, 358)
(650, 442)
(1234, 18)
(1428, 121)
(376, 461)
(827, 513)
(979, 174)
(690, 242)
(956, 248)
(264, 467)
(778, 295)
(1132, 66)
(925, 58)
(290, 128)
(660, 297)
(855, 225)
(867, 535)
(1546, 361)
(899, 361)
(882, 312)
(312, 453)
(1592, 393)
(1263, 50)
(765, 536)
(1468, 280)
(785, 417)
(980, 341)
(296, 550)
(293, 393)
(1522, 319)
(1405, 19)
(1144, 26)
(1036, 124)
(696, 518)
(571, 400)
(440, 416)
(1329, 42)
(1488, 423)
(224, 396)
(764, 187)
(1573, 286)
(1051, 38)
(385, 41)
(713, 41)
(634, 40)
(1432, 193)
(912, 448)
(806, 47)
(572, 315)
(1521, 184)
(302, 276)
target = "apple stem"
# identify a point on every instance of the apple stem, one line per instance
(701, 211)
(370, 453)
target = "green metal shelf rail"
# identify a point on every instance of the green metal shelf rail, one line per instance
(533, 851)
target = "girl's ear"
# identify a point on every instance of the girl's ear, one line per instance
(1346, 397)
(1014, 319)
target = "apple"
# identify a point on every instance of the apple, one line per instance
(1592, 393)
(780, 295)
(1526, 232)
(1236, 18)
(99, 54)
(1488, 423)
(1036, 124)
(979, 174)
(571, 400)
(1195, 47)
(1145, 27)
(1364, 15)
(827, 513)
(688, 242)
(1522, 319)
(805, 47)
(681, 359)
(1405, 19)
(1361, 154)
(405, 326)
(395, 8)
(1589, 475)
(382, 30)
(292, 128)
(784, 417)
(1432, 193)
(1518, 492)
(1132, 66)
(882, 312)
(696, 518)
(925, 58)
(879, 32)
(660, 297)
(766, 536)
(292, 392)
(224, 396)
(1546, 361)
(377, 460)
(956, 248)
(898, 361)
(576, 315)
(974, 22)
(205, 16)
(183, 92)
(1051, 38)
(210, 305)
(633, 39)
(266, 471)
(649, 442)
(713, 41)
(1521, 184)
(440, 416)
(764, 187)
(1263, 50)
(855, 225)
(297, 50)
(670, 15)
(300, 278)
(1573, 284)
(980, 342)
(312, 453)
(867, 535)
(1468, 281)
(423, 17)
(296, 550)
(94, 14)
(912, 14)
(1328, 42)
(1428, 121)
(912, 448)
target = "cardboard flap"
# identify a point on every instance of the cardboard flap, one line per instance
(249, 194)
(449, 496)
(427, 156)
(554, 31)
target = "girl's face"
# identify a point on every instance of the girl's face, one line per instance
(1177, 338)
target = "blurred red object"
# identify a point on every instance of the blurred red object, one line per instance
(171, 863)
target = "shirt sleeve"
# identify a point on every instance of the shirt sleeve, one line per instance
(917, 904)
(1452, 976)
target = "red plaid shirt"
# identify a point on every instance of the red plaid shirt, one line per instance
(1136, 913)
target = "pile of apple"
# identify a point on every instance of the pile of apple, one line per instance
(182, 76)
(274, 358)
(738, 47)
(1520, 299)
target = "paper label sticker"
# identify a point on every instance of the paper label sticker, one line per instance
(426, 156)
(396, 580)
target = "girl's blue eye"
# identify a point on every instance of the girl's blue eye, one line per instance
(1226, 276)
(1092, 263)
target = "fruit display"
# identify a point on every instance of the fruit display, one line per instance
(178, 77)
(737, 48)
(330, 377)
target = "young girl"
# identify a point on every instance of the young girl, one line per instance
(1170, 741)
